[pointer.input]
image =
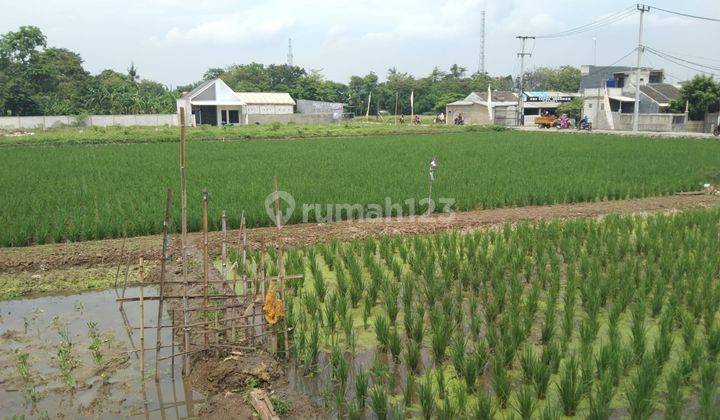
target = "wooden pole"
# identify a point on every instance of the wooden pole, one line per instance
(223, 245)
(183, 204)
(396, 106)
(163, 260)
(172, 339)
(281, 274)
(276, 198)
(206, 260)
(244, 253)
(142, 323)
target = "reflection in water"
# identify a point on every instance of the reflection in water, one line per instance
(31, 325)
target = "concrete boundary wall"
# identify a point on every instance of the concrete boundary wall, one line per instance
(650, 122)
(57, 121)
(293, 118)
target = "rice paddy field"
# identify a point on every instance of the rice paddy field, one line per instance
(82, 192)
(587, 318)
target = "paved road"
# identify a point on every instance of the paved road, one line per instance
(664, 134)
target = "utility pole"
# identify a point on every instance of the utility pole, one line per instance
(636, 117)
(521, 96)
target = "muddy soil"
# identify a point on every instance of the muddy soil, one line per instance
(108, 253)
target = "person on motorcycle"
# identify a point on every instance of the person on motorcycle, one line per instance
(584, 121)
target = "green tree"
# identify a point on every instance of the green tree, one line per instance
(564, 79)
(702, 94)
(573, 109)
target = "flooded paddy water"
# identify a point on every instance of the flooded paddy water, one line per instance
(72, 356)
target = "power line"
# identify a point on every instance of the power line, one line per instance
(688, 15)
(681, 64)
(607, 20)
(657, 52)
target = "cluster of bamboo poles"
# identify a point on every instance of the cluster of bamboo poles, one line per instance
(221, 330)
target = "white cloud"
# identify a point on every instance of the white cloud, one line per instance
(235, 28)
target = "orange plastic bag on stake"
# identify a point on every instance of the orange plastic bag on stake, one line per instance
(274, 308)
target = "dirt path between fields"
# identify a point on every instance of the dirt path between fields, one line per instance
(109, 252)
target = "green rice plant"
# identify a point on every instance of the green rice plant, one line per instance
(600, 399)
(395, 344)
(412, 357)
(409, 390)
(550, 412)
(484, 407)
(22, 365)
(95, 342)
(712, 337)
(689, 329)
(330, 313)
(367, 310)
(354, 412)
(548, 327)
(639, 392)
(418, 326)
(441, 380)
(426, 395)
(67, 362)
(460, 393)
(587, 371)
(340, 368)
(551, 356)
(457, 352)
(356, 281)
(528, 364)
(312, 349)
(390, 293)
(501, 382)
(440, 332)
(382, 331)
(609, 361)
(362, 379)
(379, 401)
(350, 333)
(475, 365)
(708, 390)
(663, 345)
(318, 282)
(638, 331)
(674, 398)
(569, 387)
(525, 404)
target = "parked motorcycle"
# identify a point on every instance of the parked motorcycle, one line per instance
(716, 130)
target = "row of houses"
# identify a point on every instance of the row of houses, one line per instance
(213, 102)
(608, 95)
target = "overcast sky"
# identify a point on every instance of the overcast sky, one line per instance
(175, 41)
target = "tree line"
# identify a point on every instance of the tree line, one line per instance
(36, 79)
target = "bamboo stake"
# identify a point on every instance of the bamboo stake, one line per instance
(243, 228)
(142, 322)
(163, 260)
(161, 403)
(172, 339)
(262, 282)
(281, 274)
(276, 198)
(183, 201)
(206, 262)
(223, 245)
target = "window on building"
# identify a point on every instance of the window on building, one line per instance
(234, 116)
(590, 106)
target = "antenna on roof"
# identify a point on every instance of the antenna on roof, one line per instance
(290, 54)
